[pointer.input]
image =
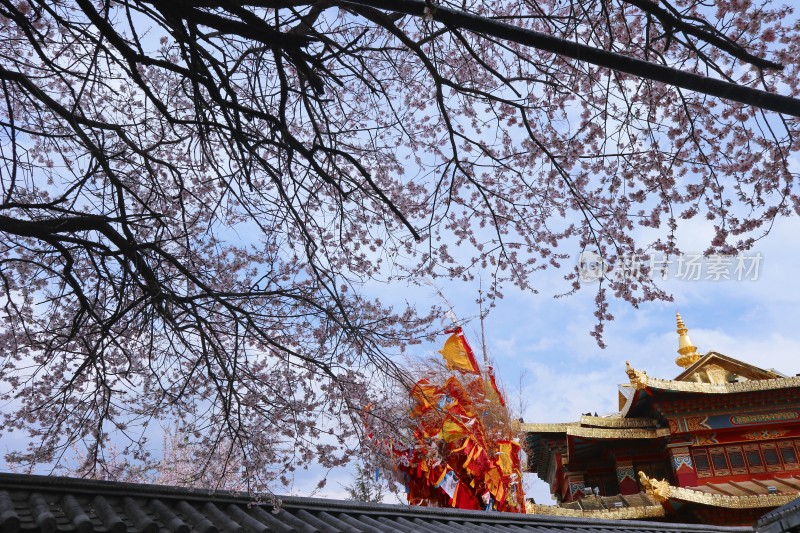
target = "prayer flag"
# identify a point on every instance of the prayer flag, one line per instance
(457, 353)
(448, 483)
(504, 460)
(494, 387)
(453, 429)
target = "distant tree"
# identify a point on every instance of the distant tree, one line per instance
(367, 485)
(181, 464)
(193, 193)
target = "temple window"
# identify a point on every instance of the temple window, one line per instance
(701, 464)
(736, 459)
(788, 455)
(719, 462)
(770, 456)
(748, 458)
(755, 462)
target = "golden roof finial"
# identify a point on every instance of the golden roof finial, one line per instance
(688, 351)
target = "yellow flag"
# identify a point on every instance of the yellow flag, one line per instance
(504, 457)
(493, 479)
(452, 430)
(458, 354)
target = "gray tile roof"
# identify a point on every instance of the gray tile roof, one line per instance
(782, 519)
(55, 504)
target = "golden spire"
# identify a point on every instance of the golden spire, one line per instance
(688, 351)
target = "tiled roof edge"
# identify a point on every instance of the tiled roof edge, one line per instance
(10, 481)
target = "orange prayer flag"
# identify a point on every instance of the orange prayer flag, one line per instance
(504, 456)
(494, 387)
(457, 353)
(454, 390)
(500, 497)
(493, 478)
(425, 395)
(477, 461)
(453, 429)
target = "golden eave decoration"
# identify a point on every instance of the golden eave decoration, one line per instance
(547, 428)
(614, 428)
(662, 491)
(645, 381)
(624, 513)
(625, 433)
(750, 501)
(617, 422)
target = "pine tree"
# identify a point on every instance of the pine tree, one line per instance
(367, 485)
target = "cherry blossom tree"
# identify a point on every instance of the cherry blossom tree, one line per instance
(194, 193)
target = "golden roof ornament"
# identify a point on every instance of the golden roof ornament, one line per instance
(639, 378)
(659, 490)
(688, 351)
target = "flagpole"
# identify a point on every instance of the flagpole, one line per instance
(483, 331)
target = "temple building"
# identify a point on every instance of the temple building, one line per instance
(718, 444)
